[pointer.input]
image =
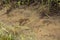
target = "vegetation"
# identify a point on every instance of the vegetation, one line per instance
(10, 32)
(52, 4)
(15, 32)
(27, 2)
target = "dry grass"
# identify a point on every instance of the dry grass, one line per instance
(32, 27)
